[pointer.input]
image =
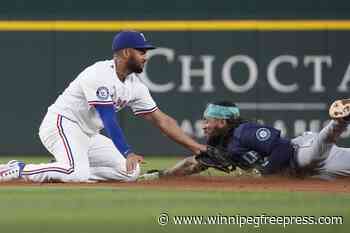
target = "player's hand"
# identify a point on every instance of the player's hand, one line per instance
(131, 162)
(199, 148)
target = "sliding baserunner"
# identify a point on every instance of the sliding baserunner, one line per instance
(234, 142)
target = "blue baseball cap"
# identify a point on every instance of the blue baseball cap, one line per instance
(130, 39)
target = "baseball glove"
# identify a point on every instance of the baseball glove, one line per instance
(216, 158)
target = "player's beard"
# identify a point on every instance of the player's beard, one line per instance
(214, 133)
(218, 136)
(134, 66)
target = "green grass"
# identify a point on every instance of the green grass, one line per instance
(105, 209)
(52, 209)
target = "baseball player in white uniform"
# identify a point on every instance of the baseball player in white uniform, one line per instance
(70, 129)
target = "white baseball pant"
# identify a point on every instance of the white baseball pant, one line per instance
(316, 147)
(79, 157)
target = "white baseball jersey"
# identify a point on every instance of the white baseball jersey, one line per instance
(99, 84)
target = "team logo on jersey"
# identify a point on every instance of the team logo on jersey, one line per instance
(102, 93)
(263, 134)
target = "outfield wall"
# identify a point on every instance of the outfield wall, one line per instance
(285, 73)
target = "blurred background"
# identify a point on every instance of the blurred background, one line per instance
(282, 62)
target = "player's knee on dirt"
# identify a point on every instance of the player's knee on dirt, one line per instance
(78, 176)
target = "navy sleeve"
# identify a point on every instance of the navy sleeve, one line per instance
(109, 119)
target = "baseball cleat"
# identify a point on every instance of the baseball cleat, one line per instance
(340, 109)
(11, 171)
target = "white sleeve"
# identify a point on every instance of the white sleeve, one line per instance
(143, 103)
(96, 89)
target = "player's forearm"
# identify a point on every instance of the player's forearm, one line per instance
(113, 130)
(170, 128)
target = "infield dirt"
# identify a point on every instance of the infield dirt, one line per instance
(219, 183)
